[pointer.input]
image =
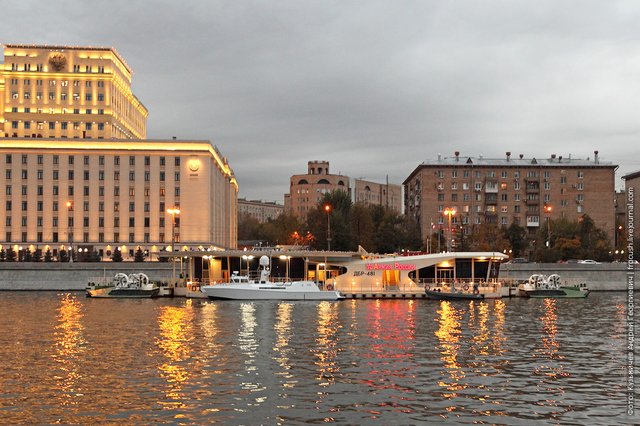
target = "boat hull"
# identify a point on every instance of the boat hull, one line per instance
(561, 293)
(230, 292)
(443, 295)
(122, 293)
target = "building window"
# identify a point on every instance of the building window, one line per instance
(177, 161)
(132, 176)
(132, 206)
(132, 238)
(161, 176)
(132, 160)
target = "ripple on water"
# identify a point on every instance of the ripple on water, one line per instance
(74, 360)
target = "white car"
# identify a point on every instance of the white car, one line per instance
(589, 262)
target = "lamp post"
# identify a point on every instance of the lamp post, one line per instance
(248, 259)
(547, 212)
(449, 212)
(327, 208)
(173, 212)
(70, 230)
(287, 259)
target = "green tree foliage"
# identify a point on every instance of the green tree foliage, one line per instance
(63, 256)
(116, 256)
(3, 255)
(139, 255)
(11, 255)
(48, 256)
(37, 256)
(488, 237)
(516, 235)
(572, 240)
(339, 214)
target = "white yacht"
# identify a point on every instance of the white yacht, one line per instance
(240, 287)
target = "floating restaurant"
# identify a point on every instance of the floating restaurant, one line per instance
(357, 274)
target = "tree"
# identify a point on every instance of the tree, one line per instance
(63, 256)
(117, 255)
(27, 256)
(37, 256)
(362, 228)
(3, 255)
(139, 255)
(339, 212)
(488, 237)
(11, 255)
(48, 256)
(517, 237)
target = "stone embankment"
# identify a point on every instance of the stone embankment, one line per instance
(598, 277)
(72, 276)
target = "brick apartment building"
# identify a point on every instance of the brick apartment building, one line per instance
(509, 190)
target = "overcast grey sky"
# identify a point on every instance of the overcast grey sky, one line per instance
(375, 87)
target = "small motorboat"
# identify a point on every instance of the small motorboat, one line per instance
(240, 287)
(123, 286)
(541, 286)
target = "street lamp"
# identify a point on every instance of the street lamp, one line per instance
(327, 208)
(70, 230)
(287, 259)
(449, 212)
(173, 212)
(248, 259)
(547, 211)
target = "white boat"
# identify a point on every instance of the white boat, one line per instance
(122, 286)
(240, 287)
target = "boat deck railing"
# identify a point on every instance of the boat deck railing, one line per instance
(418, 286)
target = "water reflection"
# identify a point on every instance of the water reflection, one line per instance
(326, 343)
(391, 356)
(249, 348)
(449, 333)
(69, 348)
(175, 341)
(281, 347)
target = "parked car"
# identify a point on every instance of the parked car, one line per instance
(519, 260)
(589, 262)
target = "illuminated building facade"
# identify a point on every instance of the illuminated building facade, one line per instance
(118, 193)
(306, 190)
(524, 191)
(64, 92)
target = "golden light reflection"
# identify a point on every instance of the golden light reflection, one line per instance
(550, 367)
(175, 341)
(281, 348)
(70, 345)
(481, 337)
(449, 334)
(249, 345)
(327, 344)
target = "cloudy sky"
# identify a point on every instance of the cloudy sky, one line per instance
(375, 87)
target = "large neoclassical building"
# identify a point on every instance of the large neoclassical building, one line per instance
(76, 167)
(68, 92)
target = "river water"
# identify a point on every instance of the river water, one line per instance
(71, 360)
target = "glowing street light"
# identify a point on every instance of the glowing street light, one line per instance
(449, 212)
(547, 212)
(248, 259)
(327, 208)
(287, 259)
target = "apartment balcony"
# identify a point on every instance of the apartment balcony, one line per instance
(532, 202)
(491, 187)
(533, 221)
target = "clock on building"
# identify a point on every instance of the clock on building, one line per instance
(57, 61)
